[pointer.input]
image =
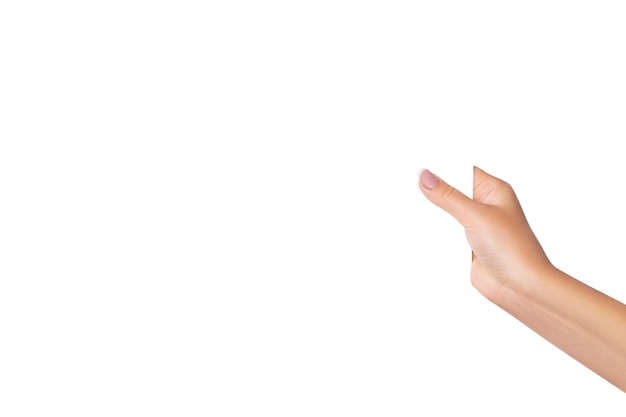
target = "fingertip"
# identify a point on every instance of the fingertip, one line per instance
(427, 179)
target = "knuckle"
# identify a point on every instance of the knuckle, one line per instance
(506, 187)
(448, 193)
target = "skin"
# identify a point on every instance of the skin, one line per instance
(510, 268)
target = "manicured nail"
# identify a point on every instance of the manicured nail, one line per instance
(428, 180)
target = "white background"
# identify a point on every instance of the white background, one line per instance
(211, 208)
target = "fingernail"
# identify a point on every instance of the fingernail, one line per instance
(427, 179)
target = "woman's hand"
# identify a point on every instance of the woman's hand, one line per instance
(505, 252)
(510, 268)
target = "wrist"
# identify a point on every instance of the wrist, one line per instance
(534, 287)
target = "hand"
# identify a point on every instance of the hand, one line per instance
(510, 268)
(505, 251)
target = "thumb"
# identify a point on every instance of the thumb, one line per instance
(447, 197)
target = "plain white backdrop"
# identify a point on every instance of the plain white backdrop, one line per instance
(211, 208)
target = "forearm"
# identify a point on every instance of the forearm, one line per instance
(586, 324)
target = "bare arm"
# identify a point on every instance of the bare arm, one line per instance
(510, 268)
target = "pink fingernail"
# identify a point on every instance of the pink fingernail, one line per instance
(428, 180)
